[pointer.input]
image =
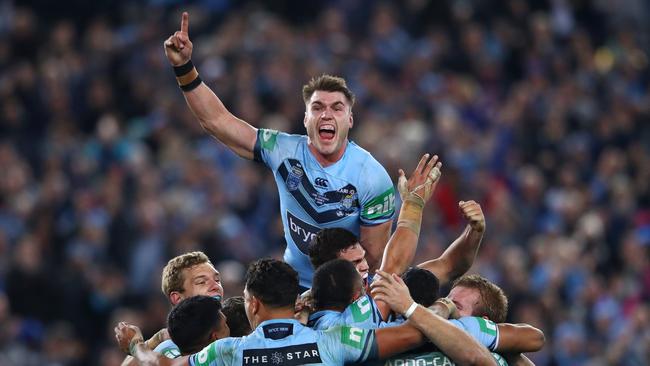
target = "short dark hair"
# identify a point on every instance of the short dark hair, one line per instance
(235, 312)
(191, 322)
(423, 285)
(327, 83)
(493, 301)
(334, 284)
(273, 282)
(327, 243)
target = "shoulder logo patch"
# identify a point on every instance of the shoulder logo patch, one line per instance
(268, 139)
(382, 205)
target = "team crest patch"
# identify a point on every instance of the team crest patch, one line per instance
(348, 201)
(295, 177)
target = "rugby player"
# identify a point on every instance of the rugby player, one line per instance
(184, 276)
(323, 179)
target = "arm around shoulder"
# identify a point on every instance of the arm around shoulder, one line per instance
(518, 338)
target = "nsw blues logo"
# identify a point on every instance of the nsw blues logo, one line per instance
(295, 177)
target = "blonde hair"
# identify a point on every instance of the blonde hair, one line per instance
(172, 274)
(493, 301)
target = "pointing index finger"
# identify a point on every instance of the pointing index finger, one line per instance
(185, 22)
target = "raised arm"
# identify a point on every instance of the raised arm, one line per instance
(235, 133)
(459, 256)
(459, 346)
(415, 192)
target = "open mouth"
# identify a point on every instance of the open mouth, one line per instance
(326, 132)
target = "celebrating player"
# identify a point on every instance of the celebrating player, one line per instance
(324, 180)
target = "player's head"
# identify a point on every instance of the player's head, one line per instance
(423, 285)
(334, 243)
(235, 312)
(328, 114)
(476, 296)
(271, 285)
(196, 322)
(336, 285)
(190, 274)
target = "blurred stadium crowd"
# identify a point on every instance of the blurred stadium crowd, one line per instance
(540, 111)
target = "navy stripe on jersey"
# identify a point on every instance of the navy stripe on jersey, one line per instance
(330, 197)
(370, 349)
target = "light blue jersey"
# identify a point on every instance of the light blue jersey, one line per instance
(168, 348)
(362, 313)
(286, 342)
(354, 191)
(485, 331)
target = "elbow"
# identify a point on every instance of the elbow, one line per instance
(538, 341)
(534, 340)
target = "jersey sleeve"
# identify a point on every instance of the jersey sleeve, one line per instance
(217, 353)
(351, 344)
(376, 196)
(168, 349)
(364, 312)
(272, 147)
(483, 330)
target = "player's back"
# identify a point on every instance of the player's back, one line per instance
(287, 342)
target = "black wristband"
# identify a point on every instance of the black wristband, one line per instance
(183, 69)
(192, 85)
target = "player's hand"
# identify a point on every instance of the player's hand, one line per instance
(473, 214)
(445, 308)
(156, 339)
(126, 335)
(391, 289)
(178, 47)
(303, 307)
(423, 181)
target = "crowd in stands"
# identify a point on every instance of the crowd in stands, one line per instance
(540, 111)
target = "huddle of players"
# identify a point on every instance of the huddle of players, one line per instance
(400, 320)
(325, 180)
